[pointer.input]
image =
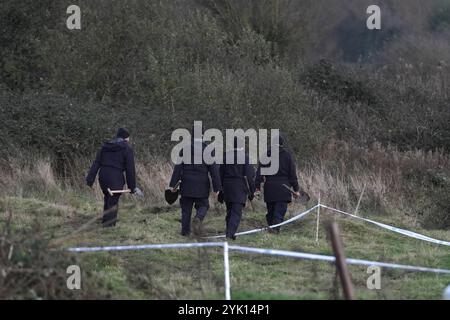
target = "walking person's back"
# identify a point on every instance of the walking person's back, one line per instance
(276, 194)
(195, 188)
(238, 185)
(114, 158)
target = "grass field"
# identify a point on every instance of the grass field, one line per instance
(198, 273)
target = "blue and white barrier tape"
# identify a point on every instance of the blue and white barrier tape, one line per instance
(311, 256)
(274, 252)
(147, 246)
(297, 217)
(391, 228)
(382, 225)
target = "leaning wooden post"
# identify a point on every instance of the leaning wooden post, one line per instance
(226, 265)
(341, 264)
(359, 200)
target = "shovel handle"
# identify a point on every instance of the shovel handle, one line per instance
(112, 192)
(292, 191)
(302, 193)
(176, 187)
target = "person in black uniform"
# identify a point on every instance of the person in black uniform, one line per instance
(238, 183)
(194, 189)
(276, 195)
(113, 159)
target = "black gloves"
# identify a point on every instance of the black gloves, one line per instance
(89, 182)
(220, 197)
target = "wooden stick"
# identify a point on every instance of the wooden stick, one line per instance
(248, 188)
(290, 190)
(341, 264)
(359, 200)
(318, 220)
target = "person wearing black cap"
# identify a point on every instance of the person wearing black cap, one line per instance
(195, 188)
(238, 183)
(113, 159)
(276, 195)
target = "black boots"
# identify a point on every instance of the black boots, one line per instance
(274, 230)
(197, 227)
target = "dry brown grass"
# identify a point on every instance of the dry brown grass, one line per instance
(343, 172)
(18, 176)
(390, 179)
(154, 177)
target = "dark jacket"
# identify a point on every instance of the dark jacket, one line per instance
(194, 178)
(113, 158)
(238, 180)
(274, 191)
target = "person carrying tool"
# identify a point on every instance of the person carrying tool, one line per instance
(113, 159)
(238, 182)
(194, 183)
(276, 187)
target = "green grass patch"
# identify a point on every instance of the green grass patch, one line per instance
(198, 273)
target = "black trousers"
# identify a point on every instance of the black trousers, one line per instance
(276, 212)
(110, 178)
(110, 209)
(186, 203)
(233, 219)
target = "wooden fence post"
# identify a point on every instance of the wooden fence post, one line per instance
(341, 264)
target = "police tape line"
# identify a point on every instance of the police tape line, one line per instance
(224, 245)
(303, 214)
(382, 225)
(312, 256)
(297, 217)
(391, 228)
(273, 252)
(147, 246)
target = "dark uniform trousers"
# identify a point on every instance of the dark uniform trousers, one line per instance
(238, 181)
(186, 203)
(276, 212)
(233, 218)
(110, 178)
(110, 209)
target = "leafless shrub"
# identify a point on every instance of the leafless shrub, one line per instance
(30, 270)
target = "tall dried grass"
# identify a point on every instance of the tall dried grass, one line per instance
(393, 181)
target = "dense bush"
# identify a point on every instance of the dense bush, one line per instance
(156, 66)
(430, 189)
(53, 124)
(31, 269)
(440, 19)
(23, 27)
